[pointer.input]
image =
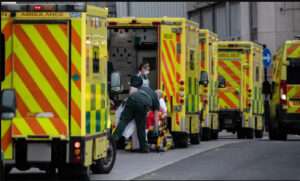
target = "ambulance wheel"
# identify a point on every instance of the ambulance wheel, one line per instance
(214, 134)
(181, 140)
(240, 133)
(105, 165)
(2, 172)
(75, 172)
(195, 139)
(51, 172)
(276, 134)
(258, 133)
(249, 133)
(206, 134)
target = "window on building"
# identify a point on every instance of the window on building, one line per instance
(234, 22)
(220, 18)
(206, 19)
(253, 20)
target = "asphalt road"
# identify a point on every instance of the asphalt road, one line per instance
(257, 159)
(226, 158)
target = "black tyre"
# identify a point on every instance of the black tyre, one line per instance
(195, 139)
(105, 165)
(181, 140)
(2, 173)
(206, 134)
(250, 133)
(259, 133)
(214, 134)
(73, 172)
(51, 172)
(240, 133)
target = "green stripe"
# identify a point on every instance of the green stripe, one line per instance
(93, 97)
(106, 119)
(193, 104)
(98, 121)
(190, 85)
(88, 122)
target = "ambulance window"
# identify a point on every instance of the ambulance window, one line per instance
(192, 60)
(96, 61)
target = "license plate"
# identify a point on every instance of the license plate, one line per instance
(40, 152)
(228, 121)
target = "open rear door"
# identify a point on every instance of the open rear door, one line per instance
(171, 71)
(41, 78)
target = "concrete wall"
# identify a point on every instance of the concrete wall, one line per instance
(278, 22)
(151, 9)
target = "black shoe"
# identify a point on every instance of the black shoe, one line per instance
(144, 150)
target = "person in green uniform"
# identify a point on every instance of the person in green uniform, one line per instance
(136, 107)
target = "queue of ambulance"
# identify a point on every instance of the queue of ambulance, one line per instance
(77, 85)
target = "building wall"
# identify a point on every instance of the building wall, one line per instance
(270, 23)
(151, 9)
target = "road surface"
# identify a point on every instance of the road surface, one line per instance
(226, 158)
(251, 160)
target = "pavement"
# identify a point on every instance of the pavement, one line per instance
(131, 165)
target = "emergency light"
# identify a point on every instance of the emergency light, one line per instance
(60, 7)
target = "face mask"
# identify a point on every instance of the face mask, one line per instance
(147, 72)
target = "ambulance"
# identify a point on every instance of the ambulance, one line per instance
(170, 46)
(55, 69)
(240, 77)
(285, 93)
(208, 88)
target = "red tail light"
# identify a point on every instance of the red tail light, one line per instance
(37, 7)
(112, 23)
(283, 92)
(156, 23)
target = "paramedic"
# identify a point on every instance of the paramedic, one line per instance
(144, 71)
(137, 106)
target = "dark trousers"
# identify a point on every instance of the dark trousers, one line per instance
(138, 112)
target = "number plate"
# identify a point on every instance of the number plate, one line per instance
(228, 121)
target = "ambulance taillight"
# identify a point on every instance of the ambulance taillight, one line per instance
(283, 92)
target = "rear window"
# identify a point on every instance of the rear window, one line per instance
(293, 70)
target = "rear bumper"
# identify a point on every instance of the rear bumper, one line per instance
(57, 152)
(230, 119)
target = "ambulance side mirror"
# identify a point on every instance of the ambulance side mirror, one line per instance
(222, 82)
(2, 57)
(116, 82)
(203, 78)
(8, 104)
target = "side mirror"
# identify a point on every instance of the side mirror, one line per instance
(116, 82)
(222, 82)
(8, 104)
(2, 57)
(203, 78)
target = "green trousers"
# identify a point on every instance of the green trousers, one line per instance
(137, 111)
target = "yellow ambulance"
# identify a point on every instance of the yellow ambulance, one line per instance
(170, 46)
(240, 77)
(56, 59)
